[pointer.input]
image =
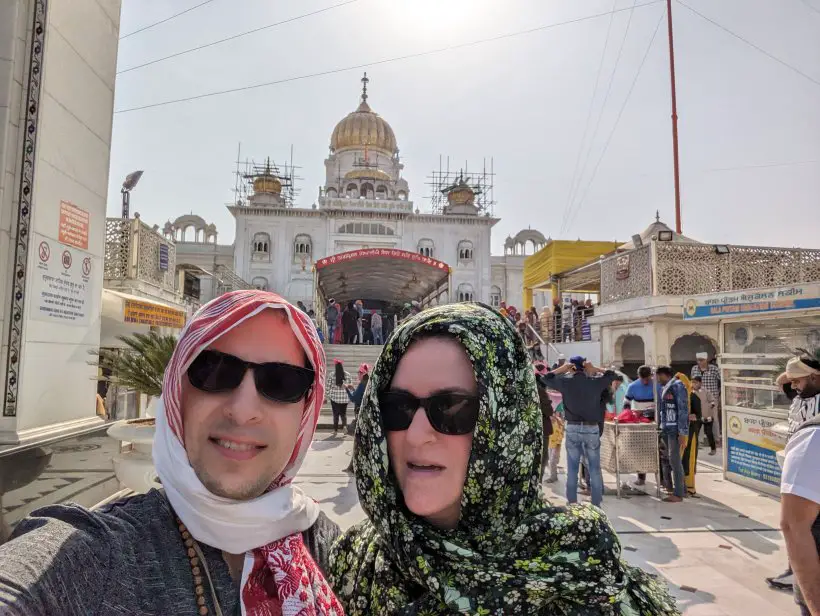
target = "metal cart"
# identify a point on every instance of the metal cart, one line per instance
(631, 448)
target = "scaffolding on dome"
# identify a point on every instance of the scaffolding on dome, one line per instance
(443, 180)
(249, 170)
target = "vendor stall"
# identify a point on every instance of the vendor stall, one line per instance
(630, 448)
(759, 330)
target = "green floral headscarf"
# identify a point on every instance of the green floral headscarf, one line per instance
(512, 552)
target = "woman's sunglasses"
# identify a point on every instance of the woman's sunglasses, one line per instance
(216, 372)
(448, 412)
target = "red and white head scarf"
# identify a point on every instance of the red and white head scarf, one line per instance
(267, 529)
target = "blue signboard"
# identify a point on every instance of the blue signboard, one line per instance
(163, 257)
(749, 460)
(753, 301)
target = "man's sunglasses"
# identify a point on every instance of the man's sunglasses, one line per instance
(448, 412)
(216, 372)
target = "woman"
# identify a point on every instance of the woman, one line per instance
(337, 383)
(690, 451)
(457, 521)
(356, 396)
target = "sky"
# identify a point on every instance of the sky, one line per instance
(570, 98)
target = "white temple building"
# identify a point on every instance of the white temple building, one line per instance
(363, 238)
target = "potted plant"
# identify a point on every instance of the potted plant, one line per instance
(139, 366)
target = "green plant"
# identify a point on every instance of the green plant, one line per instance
(141, 365)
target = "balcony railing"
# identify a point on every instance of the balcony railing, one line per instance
(228, 280)
(132, 252)
(669, 268)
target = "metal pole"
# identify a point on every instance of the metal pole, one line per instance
(126, 200)
(675, 157)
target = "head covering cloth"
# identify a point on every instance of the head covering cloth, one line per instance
(512, 552)
(267, 529)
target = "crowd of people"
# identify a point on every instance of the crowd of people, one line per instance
(452, 425)
(448, 469)
(355, 324)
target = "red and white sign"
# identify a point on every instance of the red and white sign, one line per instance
(390, 253)
(45, 251)
(66, 259)
(73, 225)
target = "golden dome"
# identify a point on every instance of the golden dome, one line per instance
(367, 173)
(461, 195)
(364, 128)
(267, 184)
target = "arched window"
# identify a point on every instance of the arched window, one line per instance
(352, 191)
(261, 247)
(401, 195)
(381, 191)
(426, 247)
(331, 192)
(260, 283)
(302, 245)
(495, 296)
(465, 250)
(465, 292)
(367, 190)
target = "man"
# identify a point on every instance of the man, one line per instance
(708, 409)
(229, 532)
(674, 422)
(376, 327)
(301, 306)
(331, 314)
(710, 377)
(582, 386)
(798, 387)
(360, 312)
(640, 397)
(800, 488)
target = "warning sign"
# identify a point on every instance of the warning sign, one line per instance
(145, 313)
(73, 225)
(59, 292)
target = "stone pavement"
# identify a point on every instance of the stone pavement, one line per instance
(714, 551)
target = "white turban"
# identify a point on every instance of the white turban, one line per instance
(796, 369)
(702, 355)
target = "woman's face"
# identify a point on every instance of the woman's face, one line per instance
(431, 467)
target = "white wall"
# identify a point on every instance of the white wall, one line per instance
(72, 159)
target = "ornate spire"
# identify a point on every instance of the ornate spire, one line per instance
(657, 215)
(365, 81)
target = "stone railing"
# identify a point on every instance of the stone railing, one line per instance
(228, 280)
(691, 269)
(627, 275)
(670, 268)
(132, 253)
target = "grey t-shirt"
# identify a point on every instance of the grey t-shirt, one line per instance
(125, 558)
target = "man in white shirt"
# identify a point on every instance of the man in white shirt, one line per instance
(800, 489)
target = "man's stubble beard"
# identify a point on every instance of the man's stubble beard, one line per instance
(243, 492)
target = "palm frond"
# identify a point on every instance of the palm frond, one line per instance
(141, 365)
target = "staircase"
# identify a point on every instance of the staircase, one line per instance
(352, 356)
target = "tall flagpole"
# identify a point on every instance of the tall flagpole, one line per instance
(675, 156)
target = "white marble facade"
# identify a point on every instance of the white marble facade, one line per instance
(365, 203)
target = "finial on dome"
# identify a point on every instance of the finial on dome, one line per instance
(365, 81)
(657, 215)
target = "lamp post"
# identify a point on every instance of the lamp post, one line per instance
(128, 185)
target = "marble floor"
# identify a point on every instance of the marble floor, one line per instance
(714, 551)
